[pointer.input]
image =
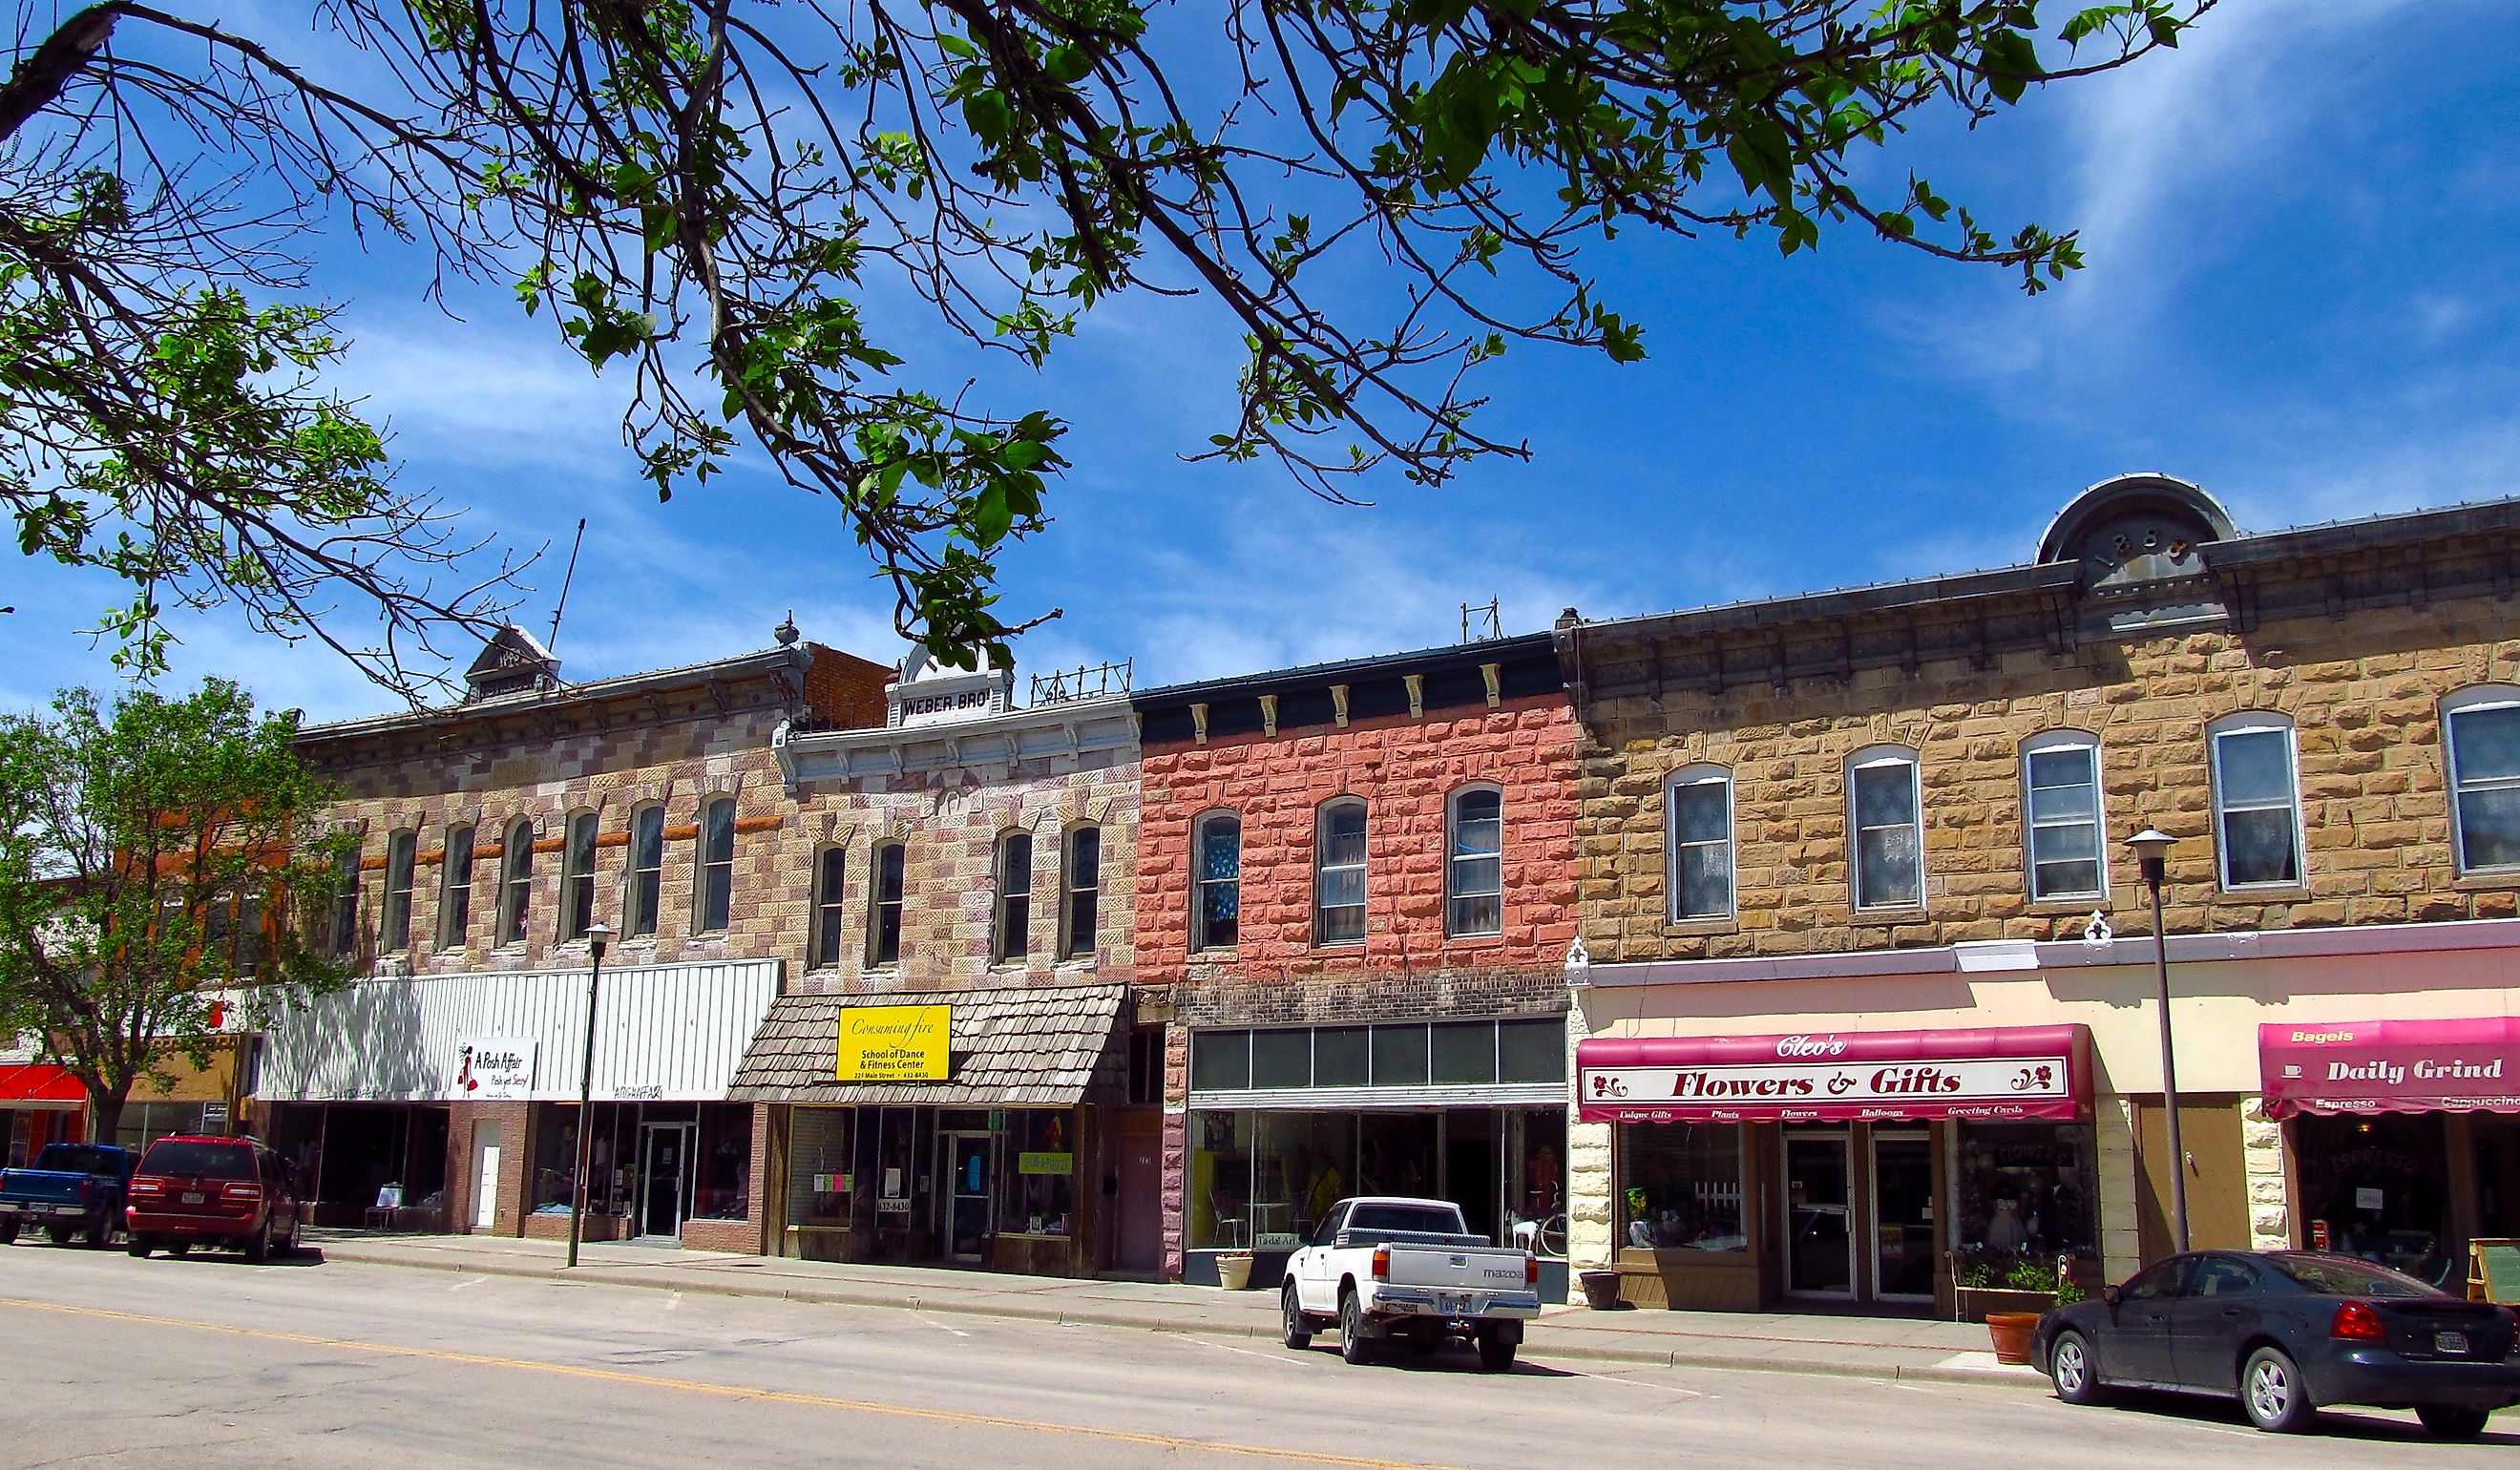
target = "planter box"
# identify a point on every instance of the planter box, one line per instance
(1975, 1301)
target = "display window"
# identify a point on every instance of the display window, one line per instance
(1262, 1179)
(1681, 1187)
(722, 1156)
(821, 1175)
(2379, 1186)
(2028, 1189)
(1038, 1173)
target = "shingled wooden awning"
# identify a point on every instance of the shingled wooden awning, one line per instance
(1050, 1045)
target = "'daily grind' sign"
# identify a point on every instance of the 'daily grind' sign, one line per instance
(894, 1043)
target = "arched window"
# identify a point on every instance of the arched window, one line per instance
(1884, 812)
(1015, 895)
(1217, 915)
(883, 906)
(1082, 876)
(455, 889)
(1338, 873)
(714, 889)
(647, 869)
(345, 903)
(2257, 800)
(577, 878)
(402, 848)
(2062, 826)
(1474, 862)
(1697, 812)
(2481, 727)
(515, 880)
(830, 868)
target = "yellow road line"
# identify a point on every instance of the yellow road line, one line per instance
(732, 1390)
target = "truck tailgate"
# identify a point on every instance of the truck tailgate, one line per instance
(1457, 1268)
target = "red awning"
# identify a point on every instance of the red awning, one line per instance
(23, 1082)
(1836, 1077)
(2392, 1067)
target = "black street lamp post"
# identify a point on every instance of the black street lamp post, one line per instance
(597, 935)
(2152, 851)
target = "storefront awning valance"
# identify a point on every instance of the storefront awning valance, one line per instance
(1051, 1045)
(1837, 1077)
(39, 1084)
(2469, 1066)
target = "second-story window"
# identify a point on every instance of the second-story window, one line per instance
(401, 849)
(883, 906)
(717, 879)
(1889, 848)
(577, 878)
(1701, 844)
(1217, 918)
(455, 889)
(345, 926)
(1338, 874)
(2257, 802)
(516, 882)
(1474, 863)
(1083, 877)
(2482, 727)
(1015, 895)
(2060, 817)
(647, 869)
(830, 867)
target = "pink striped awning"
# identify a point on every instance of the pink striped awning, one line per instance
(2003, 1072)
(2469, 1066)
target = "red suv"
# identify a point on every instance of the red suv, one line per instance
(213, 1191)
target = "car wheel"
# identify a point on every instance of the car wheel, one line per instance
(179, 1248)
(139, 1246)
(58, 1234)
(257, 1246)
(1300, 1327)
(2272, 1394)
(2450, 1423)
(2074, 1368)
(100, 1235)
(1355, 1344)
(1495, 1351)
(8, 1232)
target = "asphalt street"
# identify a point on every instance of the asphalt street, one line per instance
(208, 1361)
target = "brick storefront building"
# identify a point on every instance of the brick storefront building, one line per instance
(1868, 1006)
(1357, 901)
(494, 833)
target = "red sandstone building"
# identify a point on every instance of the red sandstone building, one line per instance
(1356, 898)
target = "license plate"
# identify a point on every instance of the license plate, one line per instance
(70, 1209)
(1456, 1306)
(2449, 1342)
(194, 1197)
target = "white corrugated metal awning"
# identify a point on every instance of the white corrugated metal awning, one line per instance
(665, 1033)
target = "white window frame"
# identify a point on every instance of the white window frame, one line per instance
(1072, 944)
(1871, 758)
(704, 868)
(1455, 859)
(642, 912)
(1693, 777)
(2048, 743)
(1323, 867)
(1200, 939)
(829, 912)
(576, 879)
(516, 882)
(453, 932)
(880, 907)
(2256, 722)
(1011, 904)
(2470, 701)
(402, 847)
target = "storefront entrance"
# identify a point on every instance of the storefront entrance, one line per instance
(666, 1178)
(1859, 1234)
(968, 1183)
(1820, 1244)
(1903, 1216)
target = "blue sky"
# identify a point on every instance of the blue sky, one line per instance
(2303, 293)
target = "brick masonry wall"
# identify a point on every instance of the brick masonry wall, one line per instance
(2364, 691)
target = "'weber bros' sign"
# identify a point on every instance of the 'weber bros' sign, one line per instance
(894, 1043)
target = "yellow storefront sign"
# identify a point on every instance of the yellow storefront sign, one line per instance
(894, 1043)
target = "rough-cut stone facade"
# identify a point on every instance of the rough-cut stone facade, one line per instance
(1403, 734)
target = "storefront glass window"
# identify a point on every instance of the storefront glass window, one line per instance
(2026, 1188)
(1462, 1056)
(821, 1179)
(2381, 1186)
(1340, 1056)
(1399, 1056)
(1681, 1187)
(723, 1190)
(1219, 1207)
(1281, 1058)
(1038, 1167)
(1396, 1154)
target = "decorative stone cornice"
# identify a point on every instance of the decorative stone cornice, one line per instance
(1076, 727)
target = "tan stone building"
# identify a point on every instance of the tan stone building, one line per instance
(969, 886)
(1867, 1011)
(440, 1090)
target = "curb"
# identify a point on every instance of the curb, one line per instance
(1675, 1357)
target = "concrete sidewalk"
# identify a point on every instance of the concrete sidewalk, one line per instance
(1862, 1346)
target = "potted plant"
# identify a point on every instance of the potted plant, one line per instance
(1234, 1269)
(2009, 1293)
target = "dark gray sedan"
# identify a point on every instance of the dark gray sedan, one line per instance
(2287, 1333)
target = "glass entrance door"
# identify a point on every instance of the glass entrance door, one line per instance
(968, 1181)
(1820, 1241)
(1903, 1216)
(664, 1178)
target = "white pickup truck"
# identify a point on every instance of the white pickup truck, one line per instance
(1408, 1270)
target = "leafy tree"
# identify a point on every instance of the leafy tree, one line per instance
(1385, 194)
(147, 870)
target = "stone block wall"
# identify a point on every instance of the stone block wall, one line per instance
(2363, 692)
(1406, 770)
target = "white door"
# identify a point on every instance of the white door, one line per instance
(485, 1176)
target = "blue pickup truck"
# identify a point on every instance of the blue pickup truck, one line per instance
(74, 1189)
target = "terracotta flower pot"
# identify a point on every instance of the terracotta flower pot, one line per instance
(1600, 1289)
(2011, 1333)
